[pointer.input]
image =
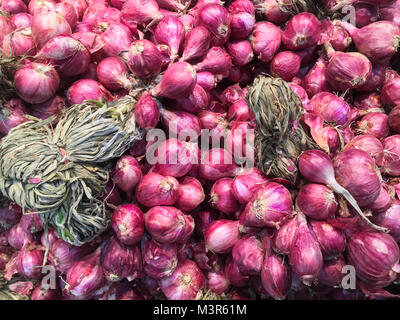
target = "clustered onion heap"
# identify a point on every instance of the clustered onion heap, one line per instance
(84, 82)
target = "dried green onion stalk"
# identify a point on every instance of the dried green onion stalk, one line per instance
(280, 137)
(6, 293)
(61, 172)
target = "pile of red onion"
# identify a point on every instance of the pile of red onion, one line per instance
(189, 219)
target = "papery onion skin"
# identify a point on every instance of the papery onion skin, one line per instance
(284, 236)
(235, 277)
(21, 20)
(317, 201)
(241, 24)
(248, 253)
(217, 61)
(222, 197)
(355, 171)
(315, 81)
(87, 89)
(28, 260)
(391, 155)
(36, 82)
(168, 224)
(221, 235)
(31, 223)
(383, 202)
(127, 174)
(270, 206)
(40, 293)
(285, 65)
(6, 27)
(331, 272)
(394, 119)
(159, 259)
(190, 194)
(390, 91)
(12, 114)
(63, 255)
(112, 73)
(17, 237)
(391, 220)
(266, 40)
(217, 163)
(197, 43)
(19, 43)
(246, 183)
(147, 114)
(241, 52)
(128, 224)
(170, 31)
(370, 145)
(185, 283)
(331, 240)
(374, 123)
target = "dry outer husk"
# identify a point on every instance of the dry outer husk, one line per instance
(6, 293)
(280, 137)
(60, 172)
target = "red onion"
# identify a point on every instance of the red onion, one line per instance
(127, 174)
(197, 101)
(266, 40)
(246, 183)
(69, 12)
(284, 236)
(173, 5)
(270, 206)
(394, 119)
(378, 41)
(36, 6)
(28, 260)
(222, 197)
(315, 81)
(218, 282)
(31, 223)
(375, 80)
(6, 27)
(341, 63)
(147, 114)
(248, 254)
(272, 11)
(67, 54)
(355, 171)
(47, 25)
(159, 259)
(365, 14)
(142, 12)
(112, 196)
(302, 31)
(10, 215)
(390, 91)
(175, 158)
(21, 20)
(317, 201)
(317, 167)
(190, 194)
(241, 24)
(120, 261)
(13, 6)
(383, 202)
(305, 254)
(63, 255)
(240, 51)
(331, 108)
(19, 42)
(105, 17)
(390, 219)
(374, 256)
(374, 123)
(196, 45)
(128, 224)
(79, 5)
(177, 82)
(168, 224)
(368, 102)
(276, 276)
(87, 89)
(92, 42)
(216, 19)
(17, 237)
(235, 277)
(222, 235)
(36, 82)
(285, 65)
(337, 36)
(157, 190)
(85, 277)
(203, 219)
(370, 145)
(217, 61)
(390, 14)
(301, 92)
(391, 155)
(331, 240)
(170, 31)
(11, 115)
(185, 283)
(112, 73)
(40, 293)
(188, 22)
(144, 59)
(331, 272)
(44, 110)
(117, 38)
(217, 163)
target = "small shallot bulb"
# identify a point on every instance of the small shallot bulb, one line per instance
(170, 31)
(317, 201)
(394, 119)
(374, 123)
(186, 283)
(169, 224)
(31, 223)
(302, 31)
(221, 235)
(248, 253)
(276, 277)
(241, 25)
(157, 190)
(331, 240)
(285, 65)
(127, 174)
(246, 183)
(87, 89)
(240, 51)
(270, 206)
(190, 194)
(266, 40)
(196, 45)
(391, 155)
(235, 277)
(331, 272)
(305, 255)
(177, 82)
(147, 114)
(217, 163)
(391, 220)
(29, 261)
(112, 73)
(222, 197)
(128, 224)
